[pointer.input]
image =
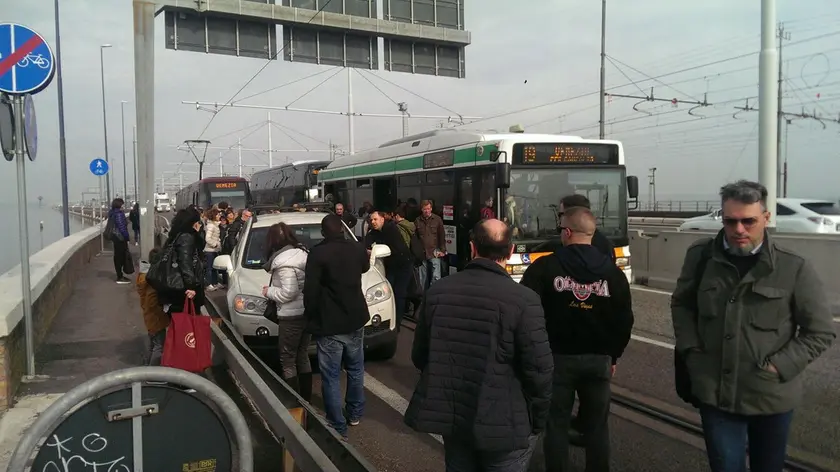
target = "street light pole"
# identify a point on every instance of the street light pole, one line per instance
(105, 118)
(62, 144)
(134, 161)
(125, 171)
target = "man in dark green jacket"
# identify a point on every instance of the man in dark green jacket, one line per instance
(737, 306)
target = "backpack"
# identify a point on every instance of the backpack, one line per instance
(682, 381)
(417, 252)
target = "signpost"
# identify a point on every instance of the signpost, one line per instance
(99, 168)
(27, 66)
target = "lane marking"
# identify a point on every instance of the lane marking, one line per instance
(649, 290)
(653, 342)
(391, 397)
(836, 319)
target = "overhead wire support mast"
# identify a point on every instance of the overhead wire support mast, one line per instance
(789, 115)
(673, 101)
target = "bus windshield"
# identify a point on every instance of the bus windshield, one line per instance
(235, 198)
(532, 202)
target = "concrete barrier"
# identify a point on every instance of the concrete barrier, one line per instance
(657, 258)
(54, 271)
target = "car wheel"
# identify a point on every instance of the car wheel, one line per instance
(386, 352)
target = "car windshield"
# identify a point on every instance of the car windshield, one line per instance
(255, 249)
(532, 201)
(822, 208)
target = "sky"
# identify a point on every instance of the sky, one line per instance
(526, 60)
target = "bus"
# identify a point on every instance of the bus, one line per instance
(296, 182)
(212, 190)
(520, 176)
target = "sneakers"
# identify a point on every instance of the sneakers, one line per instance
(353, 422)
(123, 281)
(210, 288)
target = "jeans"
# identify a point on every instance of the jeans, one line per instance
(399, 278)
(331, 351)
(120, 250)
(156, 342)
(293, 341)
(212, 275)
(728, 434)
(590, 376)
(431, 266)
(461, 457)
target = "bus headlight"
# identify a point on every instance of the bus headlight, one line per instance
(249, 305)
(622, 261)
(516, 269)
(378, 293)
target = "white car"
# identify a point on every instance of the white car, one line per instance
(793, 215)
(247, 277)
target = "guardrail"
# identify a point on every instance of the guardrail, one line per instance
(658, 257)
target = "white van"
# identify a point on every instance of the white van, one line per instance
(247, 277)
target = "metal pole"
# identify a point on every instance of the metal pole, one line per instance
(93, 217)
(239, 147)
(270, 147)
(62, 144)
(221, 165)
(24, 237)
(201, 170)
(768, 106)
(125, 170)
(779, 115)
(603, 69)
(785, 165)
(144, 86)
(134, 159)
(350, 110)
(105, 121)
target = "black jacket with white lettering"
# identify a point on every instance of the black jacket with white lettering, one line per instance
(586, 299)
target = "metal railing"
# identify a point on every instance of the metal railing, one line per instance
(679, 205)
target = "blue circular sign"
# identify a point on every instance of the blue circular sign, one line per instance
(27, 64)
(99, 167)
(30, 127)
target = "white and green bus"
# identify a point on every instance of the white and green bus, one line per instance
(524, 174)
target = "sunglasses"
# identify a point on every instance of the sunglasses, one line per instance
(747, 222)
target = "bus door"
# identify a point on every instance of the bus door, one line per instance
(385, 193)
(464, 216)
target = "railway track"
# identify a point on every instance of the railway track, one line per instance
(671, 420)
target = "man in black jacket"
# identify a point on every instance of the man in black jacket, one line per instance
(599, 241)
(398, 265)
(336, 314)
(589, 318)
(486, 366)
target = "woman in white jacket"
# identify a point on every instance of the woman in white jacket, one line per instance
(286, 263)
(212, 246)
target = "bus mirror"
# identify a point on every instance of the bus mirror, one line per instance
(495, 155)
(502, 175)
(632, 187)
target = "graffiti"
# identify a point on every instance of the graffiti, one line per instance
(70, 455)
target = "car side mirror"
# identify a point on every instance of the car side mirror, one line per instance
(224, 263)
(379, 251)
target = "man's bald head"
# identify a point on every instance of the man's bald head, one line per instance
(580, 222)
(491, 240)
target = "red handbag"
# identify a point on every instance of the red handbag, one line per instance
(187, 345)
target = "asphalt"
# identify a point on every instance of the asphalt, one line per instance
(647, 369)
(638, 444)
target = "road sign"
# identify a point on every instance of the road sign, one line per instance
(30, 127)
(27, 64)
(99, 167)
(7, 127)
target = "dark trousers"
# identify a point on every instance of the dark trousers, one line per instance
(589, 376)
(728, 434)
(399, 278)
(293, 341)
(462, 457)
(212, 275)
(120, 256)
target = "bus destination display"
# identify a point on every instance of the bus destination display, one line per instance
(226, 185)
(565, 153)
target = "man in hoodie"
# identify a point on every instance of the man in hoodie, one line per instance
(589, 317)
(398, 265)
(336, 313)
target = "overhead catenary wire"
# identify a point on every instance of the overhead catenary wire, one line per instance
(259, 71)
(415, 94)
(313, 88)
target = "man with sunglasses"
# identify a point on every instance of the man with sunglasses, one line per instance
(739, 301)
(589, 318)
